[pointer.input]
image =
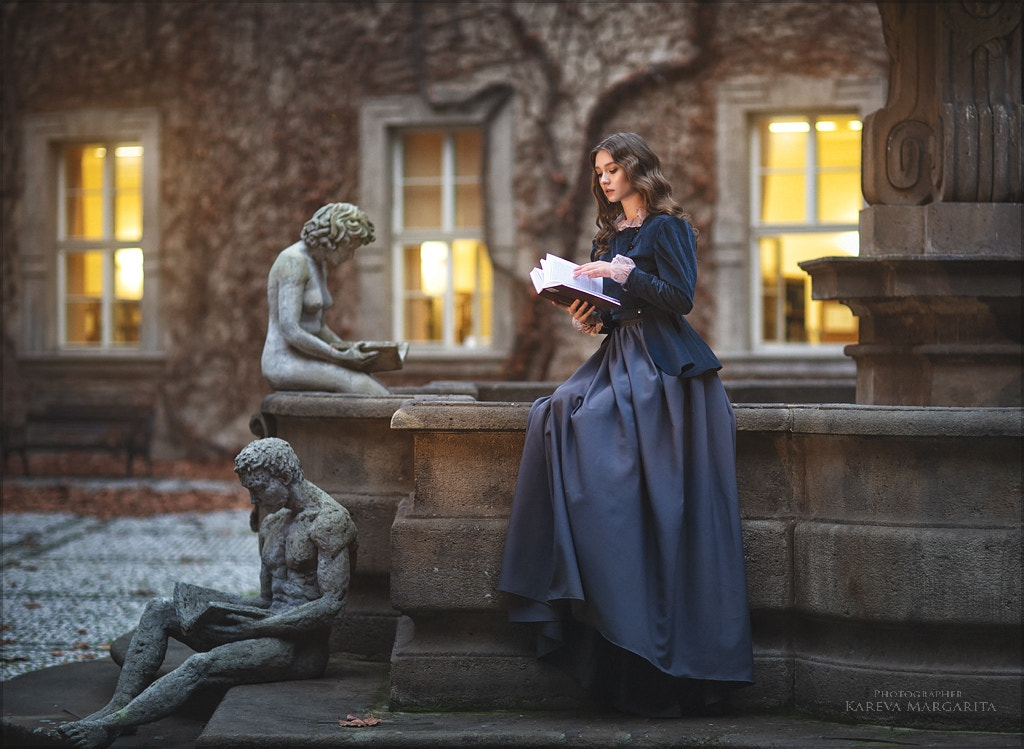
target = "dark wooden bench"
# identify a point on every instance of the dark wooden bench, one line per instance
(115, 429)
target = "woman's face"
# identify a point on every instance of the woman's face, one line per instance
(612, 178)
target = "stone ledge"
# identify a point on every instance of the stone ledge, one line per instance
(318, 405)
(881, 421)
(461, 416)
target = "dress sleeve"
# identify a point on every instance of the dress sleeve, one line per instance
(672, 286)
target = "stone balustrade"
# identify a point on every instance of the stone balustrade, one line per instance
(883, 553)
(883, 548)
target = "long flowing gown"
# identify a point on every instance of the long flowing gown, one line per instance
(624, 544)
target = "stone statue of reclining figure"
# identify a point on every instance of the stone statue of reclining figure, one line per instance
(304, 542)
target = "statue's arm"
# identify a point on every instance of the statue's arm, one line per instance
(325, 344)
(290, 291)
(328, 335)
(332, 533)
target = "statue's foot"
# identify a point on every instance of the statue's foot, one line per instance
(86, 734)
(109, 710)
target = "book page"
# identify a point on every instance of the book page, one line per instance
(554, 280)
(560, 270)
(537, 276)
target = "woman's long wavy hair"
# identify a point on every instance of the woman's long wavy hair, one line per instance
(643, 170)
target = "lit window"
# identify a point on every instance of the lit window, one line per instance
(446, 276)
(806, 206)
(99, 237)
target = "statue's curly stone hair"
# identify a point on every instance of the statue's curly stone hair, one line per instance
(338, 225)
(270, 454)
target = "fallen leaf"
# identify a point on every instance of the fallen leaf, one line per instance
(354, 721)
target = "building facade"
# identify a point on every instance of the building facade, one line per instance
(157, 157)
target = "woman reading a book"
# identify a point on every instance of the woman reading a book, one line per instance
(301, 351)
(624, 545)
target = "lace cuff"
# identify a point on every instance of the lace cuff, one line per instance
(622, 266)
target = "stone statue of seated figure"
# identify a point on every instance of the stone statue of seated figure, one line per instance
(304, 542)
(301, 351)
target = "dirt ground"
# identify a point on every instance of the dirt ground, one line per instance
(61, 487)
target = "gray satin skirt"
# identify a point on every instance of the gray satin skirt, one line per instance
(624, 545)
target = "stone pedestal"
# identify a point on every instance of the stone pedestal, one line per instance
(937, 286)
(347, 447)
(455, 649)
(937, 290)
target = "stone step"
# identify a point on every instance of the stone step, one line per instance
(300, 714)
(307, 713)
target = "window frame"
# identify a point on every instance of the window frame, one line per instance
(740, 102)
(380, 264)
(108, 245)
(448, 233)
(41, 243)
(810, 225)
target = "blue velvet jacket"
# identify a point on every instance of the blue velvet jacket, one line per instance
(660, 291)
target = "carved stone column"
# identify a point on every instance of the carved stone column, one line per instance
(937, 286)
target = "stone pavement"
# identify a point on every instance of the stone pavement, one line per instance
(74, 585)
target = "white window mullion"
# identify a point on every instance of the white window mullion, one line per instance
(109, 193)
(107, 301)
(62, 297)
(398, 291)
(107, 291)
(397, 180)
(756, 292)
(478, 333)
(811, 197)
(448, 228)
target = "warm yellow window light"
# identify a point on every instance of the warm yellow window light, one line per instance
(85, 274)
(789, 126)
(128, 274)
(434, 268)
(128, 194)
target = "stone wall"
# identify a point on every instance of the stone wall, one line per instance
(883, 558)
(259, 107)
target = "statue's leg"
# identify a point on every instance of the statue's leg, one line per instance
(314, 374)
(243, 662)
(145, 654)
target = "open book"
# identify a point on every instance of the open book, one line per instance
(553, 280)
(196, 606)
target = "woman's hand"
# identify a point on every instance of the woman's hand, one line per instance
(581, 310)
(595, 269)
(585, 317)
